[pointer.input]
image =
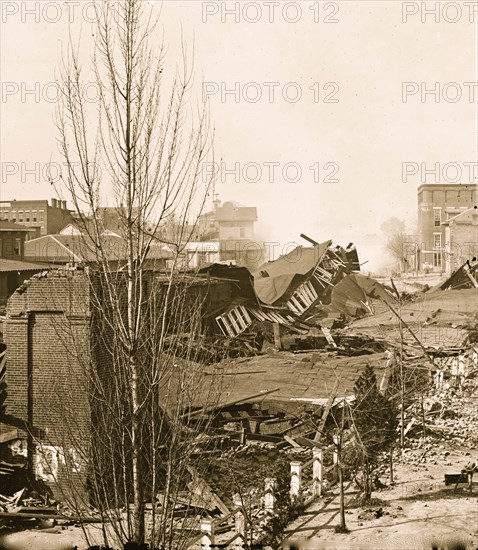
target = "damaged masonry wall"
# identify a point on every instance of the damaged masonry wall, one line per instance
(51, 343)
(47, 333)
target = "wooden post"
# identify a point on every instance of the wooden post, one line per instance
(239, 523)
(390, 463)
(317, 472)
(295, 478)
(277, 338)
(269, 498)
(340, 473)
(207, 529)
(335, 455)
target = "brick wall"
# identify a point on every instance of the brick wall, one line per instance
(57, 219)
(15, 333)
(464, 242)
(439, 196)
(47, 333)
(51, 348)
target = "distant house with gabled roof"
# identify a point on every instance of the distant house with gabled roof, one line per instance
(232, 226)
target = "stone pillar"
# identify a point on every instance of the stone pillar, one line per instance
(317, 472)
(454, 367)
(277, 337)
(295, 478)
(269, 497)
(461, 364)
(335, 456)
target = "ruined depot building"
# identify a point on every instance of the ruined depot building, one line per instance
(53, 345)
(53, 338)
(50, 336)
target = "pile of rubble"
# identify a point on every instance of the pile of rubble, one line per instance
(453, 413)
(307, 292)
(463, 277)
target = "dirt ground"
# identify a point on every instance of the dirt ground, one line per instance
(417, 510)
(55, 538)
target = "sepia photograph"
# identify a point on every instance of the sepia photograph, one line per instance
(238, 275)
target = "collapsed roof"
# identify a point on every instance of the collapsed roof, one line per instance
(350, 295)
(274, 279)
(463, 277)
(283, 290)
(323, 264)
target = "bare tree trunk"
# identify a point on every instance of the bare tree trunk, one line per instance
(152, 161)
(402, 381)
(138, 492)
(390, 461)
(343, 526)
(367, 481)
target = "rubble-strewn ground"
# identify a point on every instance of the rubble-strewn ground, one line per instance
(419, 508)
(416, 510)
(439, 318)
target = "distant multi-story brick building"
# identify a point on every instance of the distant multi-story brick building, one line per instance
(13, 269)
(438, 203)
(44, 218)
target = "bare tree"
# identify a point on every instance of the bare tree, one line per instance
(340, 417)
(400, 243)
(146, 148)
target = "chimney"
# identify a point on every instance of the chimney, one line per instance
(53, 203)
(63, 205)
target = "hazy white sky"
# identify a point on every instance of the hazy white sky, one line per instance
(351, 117)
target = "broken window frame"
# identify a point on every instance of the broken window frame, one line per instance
(303, 298)
(271, 316)
(322, 276)
(234, 322)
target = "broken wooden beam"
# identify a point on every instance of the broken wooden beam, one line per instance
(206, 410)
(33, 515)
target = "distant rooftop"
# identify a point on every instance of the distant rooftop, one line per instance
(446, 185)
(233, 211)
(18, 265)
(5, 225)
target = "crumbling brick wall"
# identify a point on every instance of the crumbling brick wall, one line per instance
(47, 332)
(56, 340)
